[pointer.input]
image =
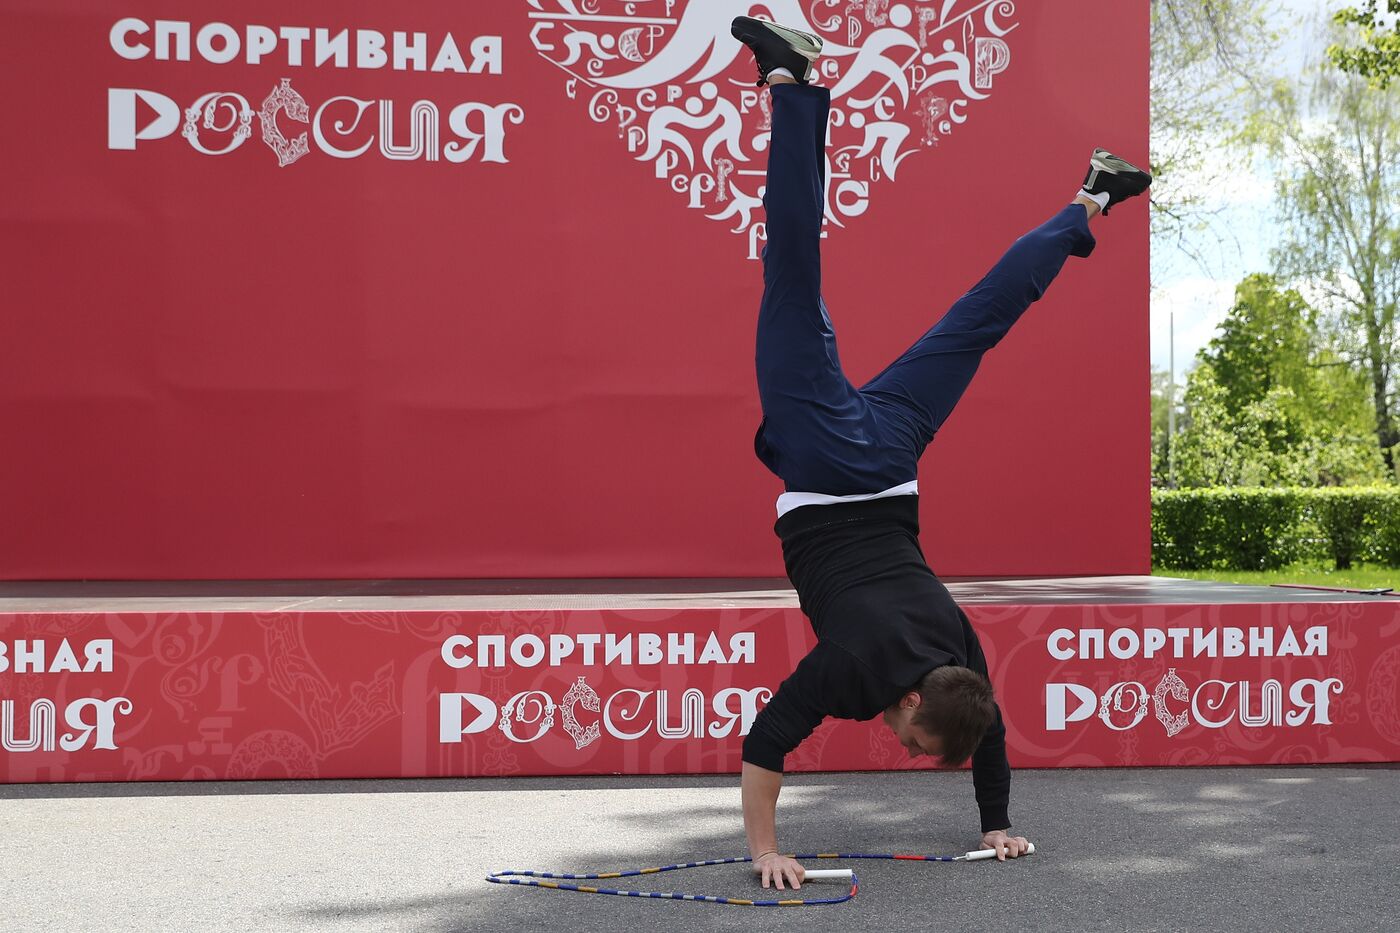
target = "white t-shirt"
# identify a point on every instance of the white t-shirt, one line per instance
(792, 500)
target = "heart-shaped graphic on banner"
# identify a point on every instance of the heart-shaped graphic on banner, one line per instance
(679, 89)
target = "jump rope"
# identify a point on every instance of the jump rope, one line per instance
(561, 880)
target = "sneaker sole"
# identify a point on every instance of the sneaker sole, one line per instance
(808, 46)
(1108, 162)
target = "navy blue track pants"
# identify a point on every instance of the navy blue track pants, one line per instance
(819, 433)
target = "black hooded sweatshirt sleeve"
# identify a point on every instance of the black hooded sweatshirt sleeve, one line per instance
(882, 621)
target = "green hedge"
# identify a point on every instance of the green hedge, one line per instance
(1265, 528)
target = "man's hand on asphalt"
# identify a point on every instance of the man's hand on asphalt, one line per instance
(779, 869)
(1005, 846)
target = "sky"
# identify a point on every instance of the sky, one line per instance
(1197, 292)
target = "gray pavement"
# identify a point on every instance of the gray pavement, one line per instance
(1184, 849)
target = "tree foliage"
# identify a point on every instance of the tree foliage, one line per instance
(1268, 405)
(1374, 52)
(1206, 59)
(1339, 201)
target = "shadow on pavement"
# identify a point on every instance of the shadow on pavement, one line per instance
(1192, 849)
(1151, 849)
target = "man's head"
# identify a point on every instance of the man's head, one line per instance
(945, 715)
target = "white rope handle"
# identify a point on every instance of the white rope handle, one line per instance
(827, 874)
(980, 854)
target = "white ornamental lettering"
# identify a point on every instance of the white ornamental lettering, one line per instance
(1119, 699)
(1057, 713)
(122, 132)
(623, 715)
(1270, 704)
(93, 721)
(465, 714)
(514, 712)
(43, 719)
(692, 724)
(1212, 704)
(284, 99)
(422, 132)
(238, 112)
(580, 692)
(100, 728)
(748, 710)
(1170, 683)
(450, 708)
(480, 129)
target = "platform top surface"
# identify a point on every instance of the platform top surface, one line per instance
(508, 595)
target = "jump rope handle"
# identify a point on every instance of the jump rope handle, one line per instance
(827, 874)
(844, 874)
(981, 854)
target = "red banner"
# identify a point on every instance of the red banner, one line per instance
(366, 291)
(188, 696)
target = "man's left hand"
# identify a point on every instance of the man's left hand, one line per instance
(1005, 846)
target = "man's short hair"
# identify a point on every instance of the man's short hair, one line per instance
(958, 707)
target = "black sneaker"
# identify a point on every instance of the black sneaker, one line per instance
(1120, 178)
(777, 46)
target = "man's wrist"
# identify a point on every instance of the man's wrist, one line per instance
(993, 816)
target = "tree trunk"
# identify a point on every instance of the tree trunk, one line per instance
(1386, 434)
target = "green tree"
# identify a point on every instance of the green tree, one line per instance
(1268, 405)
(1374, 53)
(1265, 342)
(1219, 446)
(1339, 200)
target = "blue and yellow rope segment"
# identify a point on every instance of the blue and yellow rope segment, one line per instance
(561, 881)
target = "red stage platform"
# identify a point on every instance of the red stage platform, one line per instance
(190, 681)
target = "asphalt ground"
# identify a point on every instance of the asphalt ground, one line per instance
(1309, 848)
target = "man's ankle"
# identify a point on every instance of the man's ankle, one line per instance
(1089, 203)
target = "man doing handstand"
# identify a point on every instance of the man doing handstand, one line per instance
(890, 640)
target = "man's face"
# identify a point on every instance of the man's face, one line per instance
(916, 741)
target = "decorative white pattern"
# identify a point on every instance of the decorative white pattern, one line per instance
(679, 89)
(1174, 685)
(580, 692)
(284, 98)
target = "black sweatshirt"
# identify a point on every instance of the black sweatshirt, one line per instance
(883, 621)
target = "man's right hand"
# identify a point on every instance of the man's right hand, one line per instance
(778, 869)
